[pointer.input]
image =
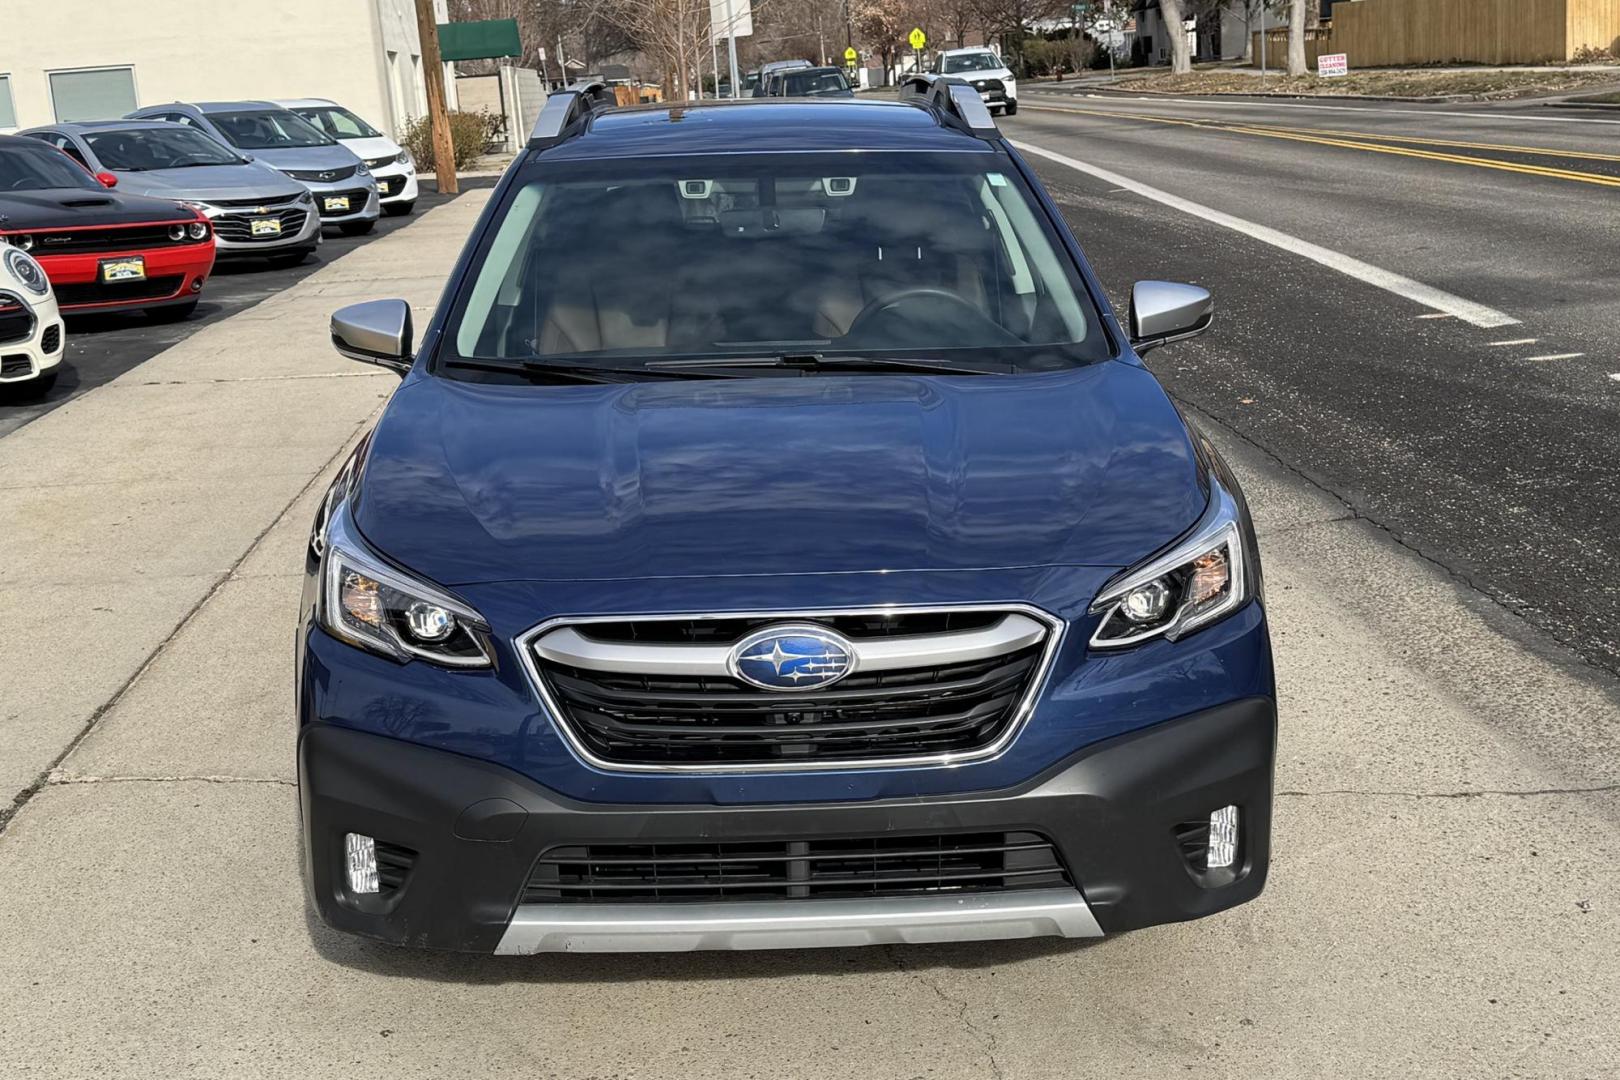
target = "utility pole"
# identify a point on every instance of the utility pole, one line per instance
(444, 148)
(731, 47)
(1262, 44)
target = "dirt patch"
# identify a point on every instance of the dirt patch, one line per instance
(1480, 84)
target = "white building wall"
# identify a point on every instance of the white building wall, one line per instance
(334, 49)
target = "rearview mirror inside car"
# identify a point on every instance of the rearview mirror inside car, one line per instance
(375, 332)
(1166, 311)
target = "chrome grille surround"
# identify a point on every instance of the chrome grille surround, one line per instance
(1055, 629)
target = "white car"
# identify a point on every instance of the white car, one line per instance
(31, 336)
(389, 163)
(985, 72)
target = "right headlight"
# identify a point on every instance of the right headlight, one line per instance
(1204, 577)
(375, 606)
(28, 272)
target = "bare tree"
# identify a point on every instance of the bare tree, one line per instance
(1170, 11)
(671, 33)
(880, 23)
(1296, 37)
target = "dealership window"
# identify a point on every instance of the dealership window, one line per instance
(8, 111)
(93, 94)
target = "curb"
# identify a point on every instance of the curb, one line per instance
(1439, 99)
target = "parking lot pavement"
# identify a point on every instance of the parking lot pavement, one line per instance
(1442, 900)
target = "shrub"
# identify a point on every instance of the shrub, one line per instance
(469, 131)
(1590, 54)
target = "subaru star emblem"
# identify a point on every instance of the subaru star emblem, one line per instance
(800, 657)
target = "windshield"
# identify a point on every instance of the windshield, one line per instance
(25, 168)
(827, 82)
(936, 255)
(974, 61)
(174, 147)
(267, 129)
(338, 122)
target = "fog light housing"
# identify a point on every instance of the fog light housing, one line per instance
(1223, 838)
(361, 851)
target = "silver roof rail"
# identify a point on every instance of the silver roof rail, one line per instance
(565, 107)
(955, 100)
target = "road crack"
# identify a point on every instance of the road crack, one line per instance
(984, 1035)
(59, 779)
(1481, 793)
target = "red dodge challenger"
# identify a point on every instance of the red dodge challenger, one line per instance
(103, 251)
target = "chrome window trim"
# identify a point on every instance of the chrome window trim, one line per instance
(1056, 631)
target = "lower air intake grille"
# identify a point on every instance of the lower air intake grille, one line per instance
(393, 866)
(51, 340)
(15, 365)
(795, 869)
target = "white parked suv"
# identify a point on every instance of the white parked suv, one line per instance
(985, 72)
(31, 337)
(388, 161)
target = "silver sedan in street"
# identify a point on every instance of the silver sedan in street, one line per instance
(257, 211)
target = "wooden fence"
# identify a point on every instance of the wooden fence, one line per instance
(1388, 33)
(1317, 42)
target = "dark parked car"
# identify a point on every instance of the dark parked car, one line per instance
(828, 82)
(103, 250)
(777, 541)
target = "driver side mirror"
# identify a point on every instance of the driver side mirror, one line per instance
(106, 179)
(375, 332)
(1166, 311)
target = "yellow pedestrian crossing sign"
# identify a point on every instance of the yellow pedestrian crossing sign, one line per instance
(850, 55)
(917, 38)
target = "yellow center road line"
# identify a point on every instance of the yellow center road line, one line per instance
(1506, 148)
(1545, 171)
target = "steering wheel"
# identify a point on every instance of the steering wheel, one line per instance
(960, 313)
(882, 305)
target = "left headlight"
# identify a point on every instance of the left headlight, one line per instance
(368, 603)
(1205, 577)
(361, 170)
(26, 270)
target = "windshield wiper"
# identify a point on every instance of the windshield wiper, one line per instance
(582, 373)
(811, 362)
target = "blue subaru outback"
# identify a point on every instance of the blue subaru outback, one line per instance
(777, 541)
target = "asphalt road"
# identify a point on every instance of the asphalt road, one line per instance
(1484, 432)
(102, 347)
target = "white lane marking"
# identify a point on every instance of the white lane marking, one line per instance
(1427, 295)
(1515, 341)
(1234, 103)
(1558, 356)
(1615, 376)
(1437, 315)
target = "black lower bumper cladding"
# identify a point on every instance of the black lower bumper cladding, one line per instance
(459, 839)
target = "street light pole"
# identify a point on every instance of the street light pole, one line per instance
(731, 47)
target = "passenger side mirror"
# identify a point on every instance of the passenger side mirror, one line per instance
(375, 332)
(1166, 311)
(106, 179)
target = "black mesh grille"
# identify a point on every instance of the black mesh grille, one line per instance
(796, 869)
(16, 320)
(95, 292)
(51, 339)
(357, 201)
(324, 176)
(14, 365)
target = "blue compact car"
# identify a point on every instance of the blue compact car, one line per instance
(777, 541)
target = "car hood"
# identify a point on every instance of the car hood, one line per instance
(306, 157)
(468, 483)
(371, 149)
(61, 208)
(203, 183)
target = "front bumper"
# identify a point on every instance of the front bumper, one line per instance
(396, 184)
(27, 357)
(306, 236)
(361, 195)
(1114, 811)
(174, 275)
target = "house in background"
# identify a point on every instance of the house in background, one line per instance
(1223, 35)
(88, 59)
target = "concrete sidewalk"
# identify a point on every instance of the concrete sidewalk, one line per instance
(1443, 902)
